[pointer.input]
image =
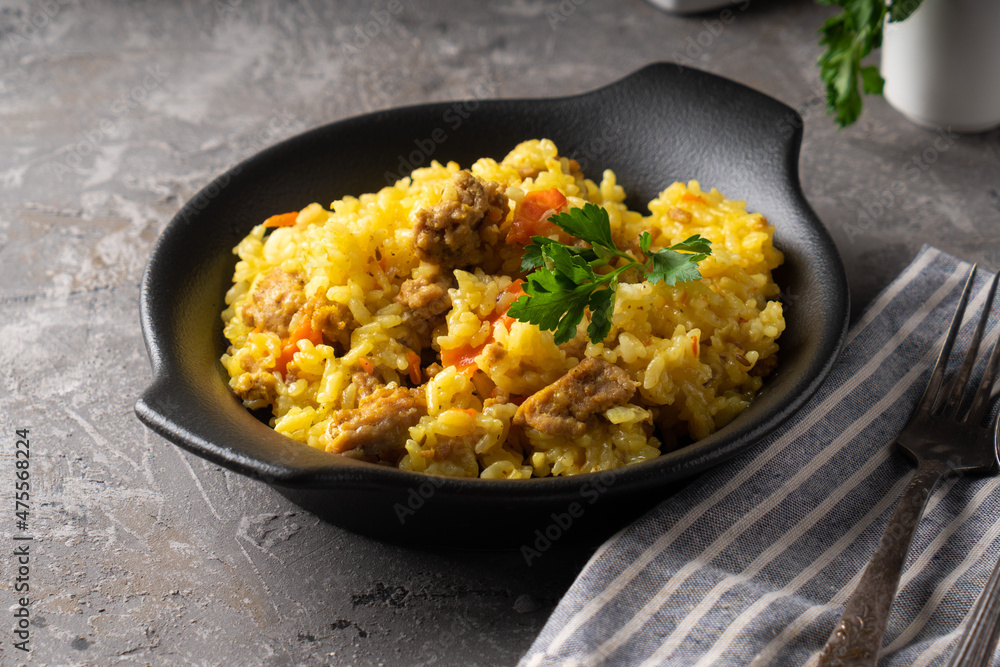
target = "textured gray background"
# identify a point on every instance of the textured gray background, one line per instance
(113, 114)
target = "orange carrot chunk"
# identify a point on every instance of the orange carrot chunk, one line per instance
(532, 218)
(414, 359)
(463, 358)
(303, 332)
(282, 220)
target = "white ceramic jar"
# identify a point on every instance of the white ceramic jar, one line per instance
(942, 64)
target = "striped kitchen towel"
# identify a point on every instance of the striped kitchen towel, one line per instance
(752, 563)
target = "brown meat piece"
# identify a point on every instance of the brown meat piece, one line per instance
(426, 300)
(453, 446)
(336, 322)
(379, 427)
(764, 367)
(278, 297)
(257, 388)
(365, 382)
(563, 407)
(464, 228)
(679, 215)
(527, 171)
(428, 291)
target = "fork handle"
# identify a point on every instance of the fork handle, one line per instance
(857, 639)
(975, 648)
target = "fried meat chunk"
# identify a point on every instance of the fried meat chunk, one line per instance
(256, 388)
(276, 299)
(379, 427)
(464, 228)
(565, 406)
(426, 300)
(336, 322)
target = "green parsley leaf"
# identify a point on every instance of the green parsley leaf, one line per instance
(849, 37)
(574, 268)
(696, 244)
(671, 268)
(562, 282)
(590, 224)
(901, 9)
(602, 306)
(534, 256)
(871, 81)
(551, 303)
(645, 242)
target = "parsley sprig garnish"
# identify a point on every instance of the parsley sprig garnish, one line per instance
(849, 37)
(563, 281)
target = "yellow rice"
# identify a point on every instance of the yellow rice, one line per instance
(697, 350)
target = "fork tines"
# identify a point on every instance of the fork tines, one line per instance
(936, 401)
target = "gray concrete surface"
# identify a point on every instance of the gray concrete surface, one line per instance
(113, 114)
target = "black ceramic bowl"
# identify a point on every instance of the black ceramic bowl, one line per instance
(662, 124)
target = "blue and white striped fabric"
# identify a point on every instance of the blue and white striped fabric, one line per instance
(753, 562)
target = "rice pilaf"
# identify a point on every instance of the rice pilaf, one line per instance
(378, 328)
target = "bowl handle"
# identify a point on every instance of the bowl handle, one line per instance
(168, 407)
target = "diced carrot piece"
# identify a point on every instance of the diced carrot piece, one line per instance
(516, 287)
(414, 360)
(367, 365)
(281, 363)
(504, 302)
(282, 220)
(304, 331)
(532, 218)
(535, 204)
(688, 197)
(524, 228)
(462, 358)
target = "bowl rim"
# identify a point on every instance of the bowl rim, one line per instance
(322, 470)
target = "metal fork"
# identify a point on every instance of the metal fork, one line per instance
(975, 648)
(942, 444)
